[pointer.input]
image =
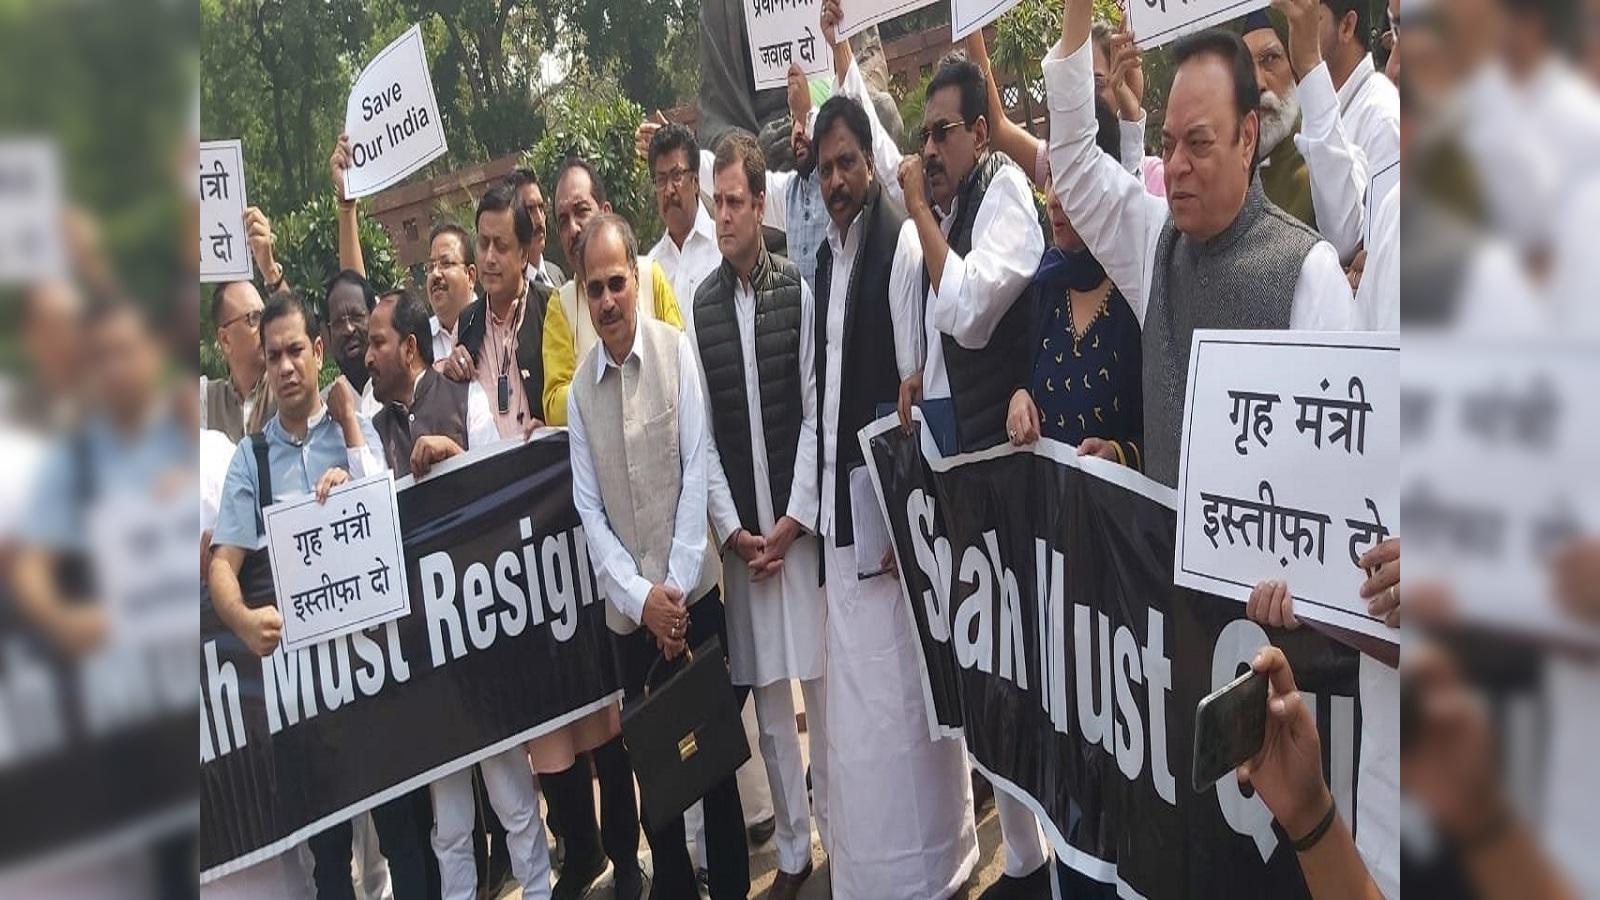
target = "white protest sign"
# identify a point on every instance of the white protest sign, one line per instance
(30, 211)
(1289, 471)
(392, 118)
(1157, 22)
(1498, 473)
(859, 15)
(144, 560)
(967, 16)
(1383, 181)
(785, 31)
(224, 252)
(338, 567)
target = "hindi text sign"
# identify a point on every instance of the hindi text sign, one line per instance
(392, 118)
(859, 15)
(1524, 408)
(144, 560)
(967, 16)
(337, 566)
(782, 32)
(1158, 22)
(224, 252)
(1290, 458)
(30, 211)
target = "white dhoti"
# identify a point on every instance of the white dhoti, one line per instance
(899, 804)
(775, 633)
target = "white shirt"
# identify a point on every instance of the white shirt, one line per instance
(367, 405)
(1346, 137)
(776, 212)
(885, 152)
(976, 291)
(216, 453)
(444, 340)
(689, 265)
(803, 490)
(1378, 297)
(1121, 223)
(615, 569)
(538, 275)
(1536, 138)
(905, 290)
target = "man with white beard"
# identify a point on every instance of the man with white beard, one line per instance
(1284, 175)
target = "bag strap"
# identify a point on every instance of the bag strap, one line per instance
(258, 445)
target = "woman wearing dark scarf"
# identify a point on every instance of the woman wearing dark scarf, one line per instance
(1080, 378)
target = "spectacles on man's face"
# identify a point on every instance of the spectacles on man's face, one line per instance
(442, 265)
(675, 178)
(597, 288)
(348, 322)
(252, 320)
(938, 131)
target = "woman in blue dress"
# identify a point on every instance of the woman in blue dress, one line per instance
(1080, 378)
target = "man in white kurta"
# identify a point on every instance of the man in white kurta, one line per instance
(899, 803)
(1350, 117)
(774, 596)
(1214, 249)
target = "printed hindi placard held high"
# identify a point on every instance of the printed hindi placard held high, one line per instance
(338, 566)
(1290, 466)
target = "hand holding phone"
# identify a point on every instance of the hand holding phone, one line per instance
(1229, 726)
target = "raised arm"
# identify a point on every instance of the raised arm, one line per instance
(1005, 135)
(1338, 166)
(885, 153)
(1107, 205)
(349, 217)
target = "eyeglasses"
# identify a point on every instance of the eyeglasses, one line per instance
(442, 264)
(348, 321)
(676, 177)
(251, 319)
(940, 131)
(616, 284)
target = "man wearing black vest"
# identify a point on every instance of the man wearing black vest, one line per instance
(979, 248)
(981, 242)
(426, 418)
(753, 323)
(899, 805)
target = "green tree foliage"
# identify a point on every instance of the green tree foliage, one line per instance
(307, 245)
(590, 117)
(276, 74)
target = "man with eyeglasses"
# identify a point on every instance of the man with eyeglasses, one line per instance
(539, 269)
(980, 249)
(688, 251)
(568, 334)
(640, 481)
(241, 403)
(451, 276)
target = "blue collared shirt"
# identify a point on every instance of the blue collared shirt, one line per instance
(100, 461)
(296, 467)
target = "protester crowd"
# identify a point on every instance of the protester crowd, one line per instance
(1012, 288)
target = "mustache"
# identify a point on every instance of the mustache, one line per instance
(933, 167)
(839, 196)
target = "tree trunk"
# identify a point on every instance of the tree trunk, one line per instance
(272, 64)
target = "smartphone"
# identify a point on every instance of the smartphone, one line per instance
(1229, 726)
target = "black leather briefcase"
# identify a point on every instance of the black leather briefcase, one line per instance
(684, 736)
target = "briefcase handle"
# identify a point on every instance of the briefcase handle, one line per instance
(649, 675)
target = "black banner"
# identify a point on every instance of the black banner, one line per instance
(1055, 641)
(505, 639)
